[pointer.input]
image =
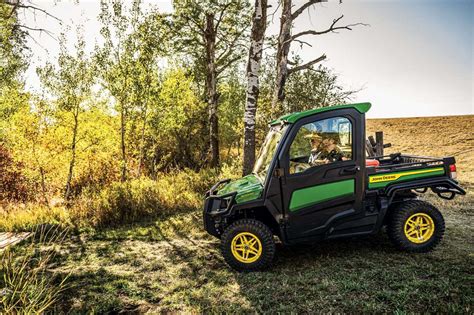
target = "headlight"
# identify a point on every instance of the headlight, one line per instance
(225, 203)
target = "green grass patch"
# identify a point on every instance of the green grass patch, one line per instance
(171, 264)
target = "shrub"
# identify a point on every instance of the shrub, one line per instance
(13, 185)
(142, 198)
(119, 203)
(27, 217)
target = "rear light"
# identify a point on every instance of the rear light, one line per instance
(372, 163)
(452, 171)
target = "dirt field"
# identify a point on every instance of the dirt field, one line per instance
(432, 136)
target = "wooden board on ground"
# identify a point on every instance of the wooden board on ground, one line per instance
(10, 239)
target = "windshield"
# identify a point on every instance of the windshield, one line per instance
(267, 151)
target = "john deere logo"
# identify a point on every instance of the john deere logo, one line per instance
(383, 178)
(391, 177)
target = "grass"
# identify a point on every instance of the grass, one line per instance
(116, 204)
(28, 285)
(172, 265)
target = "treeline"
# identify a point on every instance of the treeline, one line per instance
(161, 92)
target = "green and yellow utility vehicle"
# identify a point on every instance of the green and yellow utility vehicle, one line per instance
(312, 181)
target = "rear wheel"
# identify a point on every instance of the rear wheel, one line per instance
(415, 226)
(248, 245)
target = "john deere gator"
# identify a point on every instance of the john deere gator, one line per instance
(312, 181)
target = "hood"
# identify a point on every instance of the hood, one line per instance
(248, 188)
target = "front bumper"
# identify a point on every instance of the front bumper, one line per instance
(216, 208)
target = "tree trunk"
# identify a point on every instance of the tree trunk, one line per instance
(259, 24)
(283, 49)
(142, 145)
(73, 155)
(122, 143)
(142, 136)
(211, 86)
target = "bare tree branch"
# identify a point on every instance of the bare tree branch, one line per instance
(196, 23)
(304, 7)
(307, 65)
(37, 43)
(275, 11)
(230, 45)
(221, 15)
(331, 28)
(226, 65)
(303, 43)
(17, 5)
(41, 30)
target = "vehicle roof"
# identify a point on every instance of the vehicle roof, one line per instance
(294, 117)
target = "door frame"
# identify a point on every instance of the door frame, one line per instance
(357, 120)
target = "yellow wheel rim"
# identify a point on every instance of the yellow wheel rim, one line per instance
(419, 228)
(246, 247)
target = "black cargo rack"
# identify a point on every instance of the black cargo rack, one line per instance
(399, 162)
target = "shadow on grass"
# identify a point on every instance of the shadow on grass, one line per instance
(95, 290)
(174, 266)
(361, 275)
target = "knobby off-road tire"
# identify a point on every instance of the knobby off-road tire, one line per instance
(248, 245)
(415, 226)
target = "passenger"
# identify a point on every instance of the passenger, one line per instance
(330, 149)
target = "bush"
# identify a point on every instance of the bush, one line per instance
(27, 217)
(142, 198)
(119, 203)
(13, 185)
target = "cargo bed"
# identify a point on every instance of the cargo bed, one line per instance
(405, 172)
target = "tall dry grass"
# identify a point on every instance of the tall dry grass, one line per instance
(27, 217)
(119, 203)
(26, 285)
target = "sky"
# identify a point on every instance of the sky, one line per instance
(416, 57)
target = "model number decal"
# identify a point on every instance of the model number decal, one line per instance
(391, 177)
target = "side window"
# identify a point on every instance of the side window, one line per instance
(321, 142)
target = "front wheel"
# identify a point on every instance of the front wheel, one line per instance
(416, 226)
(248, 245)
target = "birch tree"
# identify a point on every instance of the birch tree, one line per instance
(115, 61)
(259, 24)
(152, 41)
(71, 85)
(211, 33)
(286, 38)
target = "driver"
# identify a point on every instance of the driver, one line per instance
(316, 140)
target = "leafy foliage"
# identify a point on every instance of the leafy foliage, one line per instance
(137, 107)
(188, 26)
(13, 185)
(177, 125)
(13, 49)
